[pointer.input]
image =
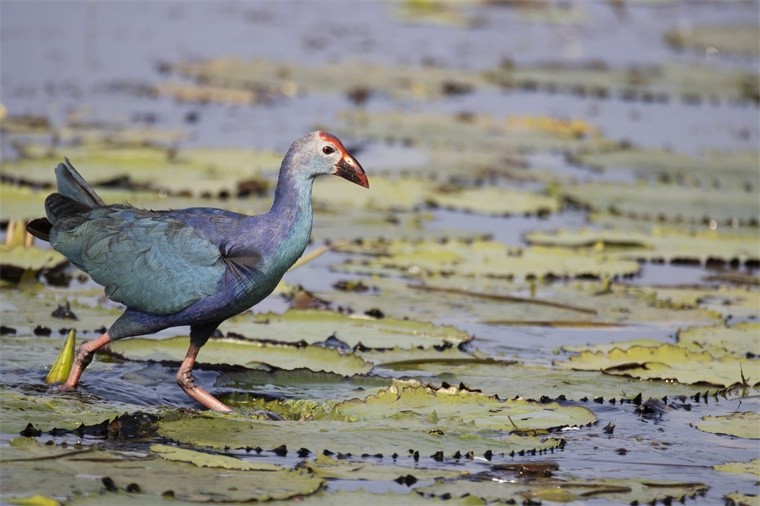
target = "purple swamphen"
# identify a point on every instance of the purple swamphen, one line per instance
(196, 266)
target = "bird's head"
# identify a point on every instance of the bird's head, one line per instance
(325, 154)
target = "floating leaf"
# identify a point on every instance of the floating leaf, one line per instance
(739, 341)
(393, 194)
(728, 169)
(744, 424)
(331, 468)
(497, 302)
(313, 326)
(509, 380)
(279, 78)
(667, 362)
(83, 474)
(417, 417)
(454, 409)
(658, 244)
(734, 38)
(674, 203)
(246, 353)
(201, 459)
(481, 258)
(751, 467)
(739, 499)
(490, 488)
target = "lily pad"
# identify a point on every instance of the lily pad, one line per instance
(454, 409)
(489, 488)
(244, 352)
(667, 362)
(34, 259)
(745, 424)
(739, 499)
(393, 194)
(349, 77)
(732, 169)
(201, 459)
(741, 39)
(496, 302)
(82, 474)
(313, 326)
(658, 244)
(650, 82)
(674, 203)
(204, 170)
(480, 258)
(418, 418)
(332, 468)
(739, 341)
(516, 380)
(751, 467)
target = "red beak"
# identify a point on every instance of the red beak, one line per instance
(348, 168)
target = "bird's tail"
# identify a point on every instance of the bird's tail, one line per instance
(74, 196)
(72, 185)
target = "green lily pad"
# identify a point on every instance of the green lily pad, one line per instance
(404, 416)
(50, 410)
(739, 341)
(26, 309)
(393, 194)
(296, 384)
(203, 169)
(627, 491)
(741, 39)
(459, 411)
(493, 301)
(200, 459)
(81, 474)
(667, 362)
(726, 169)
(331, 468)
(739, 499)
(348, 77)
(478, 132)
(313, 326)
(658, 244)
(739, 302)
(745, 424)
(480, 258)
(751, 467)
(245, 353)
(510, 380)
(674, 203)
(31, 258)
(650, 83)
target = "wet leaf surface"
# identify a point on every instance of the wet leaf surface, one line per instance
(490, 488)
(743, 424)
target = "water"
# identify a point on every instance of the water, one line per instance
(64, 57)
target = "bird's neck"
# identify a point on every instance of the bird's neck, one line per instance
(292, 212)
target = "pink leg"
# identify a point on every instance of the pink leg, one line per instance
(187, 383)
(83, 359)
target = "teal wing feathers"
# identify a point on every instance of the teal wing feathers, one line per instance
(146, 260)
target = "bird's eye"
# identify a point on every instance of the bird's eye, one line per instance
(328, 150)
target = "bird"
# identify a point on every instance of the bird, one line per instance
(196, 266)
